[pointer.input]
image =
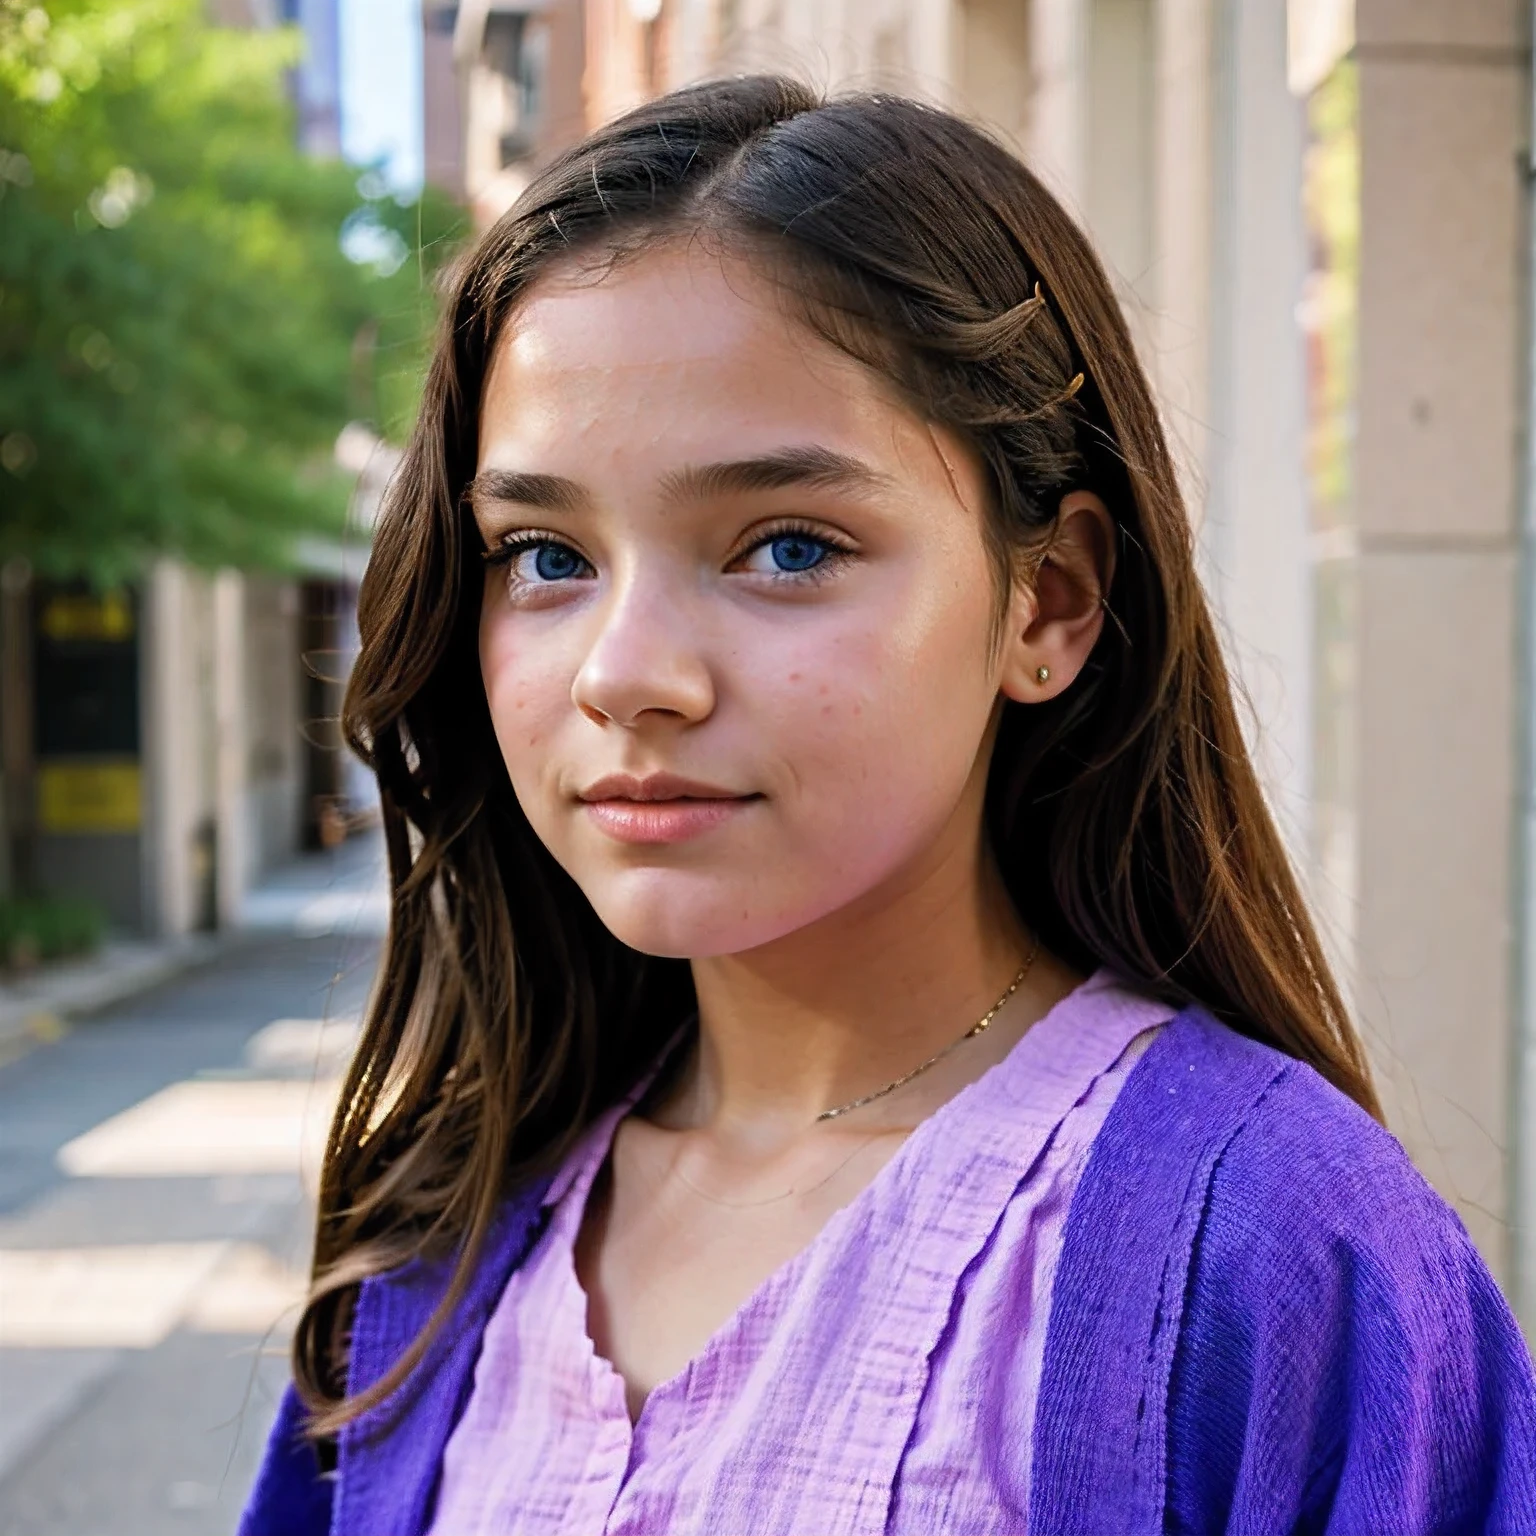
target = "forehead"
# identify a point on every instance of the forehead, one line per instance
(673, 350)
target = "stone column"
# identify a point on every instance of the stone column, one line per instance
(1254, 535)
(990, 66)
(1444, 92)
(231, 715)
(1058, 128)
(1179, 328)
(177, 741)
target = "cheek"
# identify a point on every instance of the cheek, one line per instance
(880, 732)
(524, 691)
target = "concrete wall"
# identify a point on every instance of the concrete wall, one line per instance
(1057, 142)
(273, 788)
(991, 65)
(1119, 134)
(1255, 530)
(179, 756)
(103, 868)
(1177, 336)
(1444, 92)
(223, 743)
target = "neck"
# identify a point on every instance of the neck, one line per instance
(839, 1008)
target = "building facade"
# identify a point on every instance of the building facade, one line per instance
(165, 743)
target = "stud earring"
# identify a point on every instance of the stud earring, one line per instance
(1042, 674)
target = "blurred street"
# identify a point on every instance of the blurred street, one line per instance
(156, 1169)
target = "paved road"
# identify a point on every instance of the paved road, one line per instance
(154, 1225)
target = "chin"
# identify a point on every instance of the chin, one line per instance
(681, 935)
(659, 914)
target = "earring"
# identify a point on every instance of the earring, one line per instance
(1042, 674)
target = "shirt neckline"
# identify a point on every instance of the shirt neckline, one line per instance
(592, 1149)
(956, 1170)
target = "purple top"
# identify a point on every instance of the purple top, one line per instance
(874, 1363)
(1263, 1321)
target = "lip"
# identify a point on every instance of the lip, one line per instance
(651, 787)
(659, 807)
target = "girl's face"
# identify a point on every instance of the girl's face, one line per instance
(736, 632)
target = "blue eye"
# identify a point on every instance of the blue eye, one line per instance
(554, 562)
(794, 551)
(532, 561)
(797, 552)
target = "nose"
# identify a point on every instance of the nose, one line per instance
(644, 663)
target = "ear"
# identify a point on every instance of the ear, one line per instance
(1054, 619)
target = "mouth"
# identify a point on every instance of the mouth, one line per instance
(660, 808)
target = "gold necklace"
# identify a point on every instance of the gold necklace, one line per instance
(977, 1028)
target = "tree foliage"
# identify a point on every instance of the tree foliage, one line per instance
(181, 333)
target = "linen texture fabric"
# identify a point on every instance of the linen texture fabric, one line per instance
(1261, 1320)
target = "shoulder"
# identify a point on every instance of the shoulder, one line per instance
(1344, 1355)
(1311, 1205)
(1270, 1321)
(1305, 1179)
(1289, 1173)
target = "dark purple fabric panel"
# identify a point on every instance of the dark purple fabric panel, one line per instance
(1347, 1363)
(290, 1496)
(390, 1459)
(1100, 1435)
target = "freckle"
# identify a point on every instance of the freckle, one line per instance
(519, 703)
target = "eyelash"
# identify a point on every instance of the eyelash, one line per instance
(519, 544)
(837, 554)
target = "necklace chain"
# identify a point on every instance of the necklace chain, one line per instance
(979, 1027)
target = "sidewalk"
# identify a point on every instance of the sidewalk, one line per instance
(157, 1169)
(34, 1008)
(344, 891)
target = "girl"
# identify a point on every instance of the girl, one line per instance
(851, 1055)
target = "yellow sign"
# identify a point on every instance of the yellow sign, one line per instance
(100, 796)
(88, 616)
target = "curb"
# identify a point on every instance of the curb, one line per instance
(36, 1011)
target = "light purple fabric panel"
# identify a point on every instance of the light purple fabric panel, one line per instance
(883, 1380)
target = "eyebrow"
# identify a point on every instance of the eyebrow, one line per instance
(547, 493)
(814, 467)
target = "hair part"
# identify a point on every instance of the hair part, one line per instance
(1125, 814)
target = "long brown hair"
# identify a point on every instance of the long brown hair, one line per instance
(1125, 814)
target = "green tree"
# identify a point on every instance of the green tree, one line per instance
(182, 334)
